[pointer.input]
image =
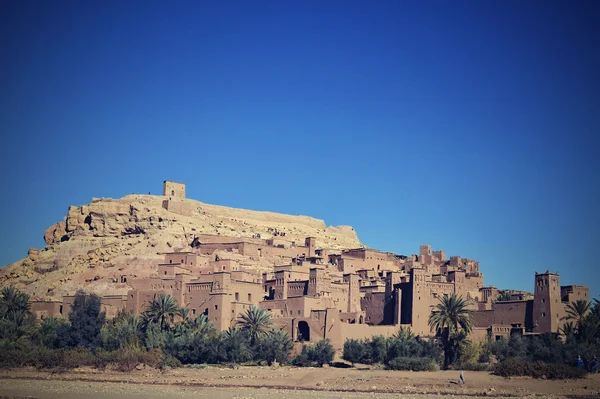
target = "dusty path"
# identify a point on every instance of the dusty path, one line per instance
(262, 382)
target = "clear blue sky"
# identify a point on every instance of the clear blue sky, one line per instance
(473, 127)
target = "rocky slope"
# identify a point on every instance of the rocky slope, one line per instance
(98, 242)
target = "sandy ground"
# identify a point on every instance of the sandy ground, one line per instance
(262, 382)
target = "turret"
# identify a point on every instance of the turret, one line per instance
(546, 303)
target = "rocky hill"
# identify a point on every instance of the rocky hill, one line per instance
(98, 242)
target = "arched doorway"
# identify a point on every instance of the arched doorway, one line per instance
(303, 331)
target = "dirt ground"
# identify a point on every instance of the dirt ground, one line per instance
(262, 382)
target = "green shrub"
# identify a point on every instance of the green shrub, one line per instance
(315, 355)
(413, 364)
(355, 351)
(538, 369)
(275, 346)
(169, 362)
(78, 357)
(473, 366)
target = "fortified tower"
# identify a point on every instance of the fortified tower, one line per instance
(311, 244)
(546, 303)
(281, 284)
(316, 281)
(173, 189)
(353, 281)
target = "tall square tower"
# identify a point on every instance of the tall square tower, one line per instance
(173, 189)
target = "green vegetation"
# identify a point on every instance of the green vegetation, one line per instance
(549, 371)
(540, 356)
(164, 336)
(452, 322)
(315, 355)
(392, 352)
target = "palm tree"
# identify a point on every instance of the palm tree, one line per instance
(452, 314)
(568, 329)
(13, 302)
(202, 325)
(162, 310)
(256, 322)
(450, 318)
(595, 310)
(577, 312)
(404, 334)
(183, 312)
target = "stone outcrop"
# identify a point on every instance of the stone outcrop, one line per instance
(97, 243)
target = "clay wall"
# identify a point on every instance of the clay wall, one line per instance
(249, 292)
(44, 309)
(210, 248)
(488, 293)
(373, 305)
(197, 297)
(138, 300)
(179, 207)
(511, 312)
(297, 288)
(112, 304)
(455, 261)
(295, 307)
(479, 334)
(170, 270)
(440, 255)
(153, 283)
(574, 293)
(190, 259)
(364, 331)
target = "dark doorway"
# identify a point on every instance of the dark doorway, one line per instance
(303, 331)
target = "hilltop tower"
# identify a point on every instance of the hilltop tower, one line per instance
(546, 303)
(173, 189)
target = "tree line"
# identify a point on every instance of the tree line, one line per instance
(165, 335)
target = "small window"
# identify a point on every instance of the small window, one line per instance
(173, 193)
(543, 314)
(237, 296)
(165, 272)
(60, 310)
(170, 260)
(216, 307)
(298, 311)
(249, 297)
(194, 312)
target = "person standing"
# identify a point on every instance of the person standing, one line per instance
(462, 377)
(579, 362)
(594, 364)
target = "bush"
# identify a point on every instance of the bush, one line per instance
(315, 355)
(169, 362)
(86, 320)
(355, 351)
(275, 346)
(413, 364)
(473, 366)
(538, 369)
